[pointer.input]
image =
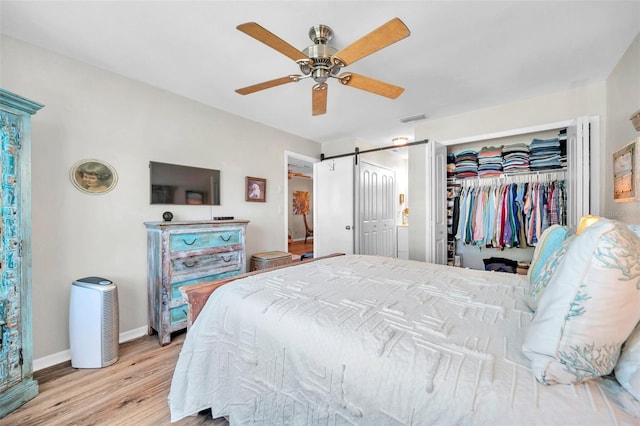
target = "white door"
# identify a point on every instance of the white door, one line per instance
(333, 206)
(375, 195)
(578, 165)
(436, 203)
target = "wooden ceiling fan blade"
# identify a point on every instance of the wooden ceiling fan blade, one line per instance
(371, 85)
(383, 36)
(319, 99)
(269, 84)
(267, 37)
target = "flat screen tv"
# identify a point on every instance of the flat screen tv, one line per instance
(176, 184)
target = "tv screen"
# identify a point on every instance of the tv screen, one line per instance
(176, 184)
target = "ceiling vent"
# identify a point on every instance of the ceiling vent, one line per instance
(417, 117)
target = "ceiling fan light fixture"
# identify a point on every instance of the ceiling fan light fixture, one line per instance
(400, 140)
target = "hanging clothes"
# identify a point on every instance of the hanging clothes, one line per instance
(504, 215)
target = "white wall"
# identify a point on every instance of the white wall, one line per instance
(567, 105)
(623, 99)
(91, 113)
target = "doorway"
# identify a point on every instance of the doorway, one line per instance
(298, 211)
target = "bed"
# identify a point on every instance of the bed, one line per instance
(379, 341)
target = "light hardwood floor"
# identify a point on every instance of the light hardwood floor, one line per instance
(133, 391)
(299, 247)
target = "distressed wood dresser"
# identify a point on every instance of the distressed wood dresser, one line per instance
(183, 254)
(17, 385)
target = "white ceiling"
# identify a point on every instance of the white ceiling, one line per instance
(460, 56)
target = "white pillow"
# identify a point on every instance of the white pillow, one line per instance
(589, 308)
(628, 368)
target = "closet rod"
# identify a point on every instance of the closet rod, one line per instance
(358, 152)
(555, 172)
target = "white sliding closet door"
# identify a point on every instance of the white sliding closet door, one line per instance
(427, 203)
(578, 170)
(333, 206)
(375, 195)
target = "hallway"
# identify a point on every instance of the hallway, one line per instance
(299, 247)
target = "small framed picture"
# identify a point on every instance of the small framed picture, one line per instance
(93, 176)
(256, 189)
(625, 173)
(194, 197)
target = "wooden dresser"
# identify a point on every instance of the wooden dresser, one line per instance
(183, 254)
(17, 385)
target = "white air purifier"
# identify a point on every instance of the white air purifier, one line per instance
(93, 323)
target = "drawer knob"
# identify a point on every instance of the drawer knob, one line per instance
(226, 240)
(189, 243)
(226, 260)
(190, 265)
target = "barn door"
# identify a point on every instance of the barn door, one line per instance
(333, 205)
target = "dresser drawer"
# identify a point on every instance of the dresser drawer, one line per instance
(178, 314)
(204, 240)
(176, 294)
(202, 264)
(178, 306)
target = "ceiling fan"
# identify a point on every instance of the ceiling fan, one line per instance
(321, 61)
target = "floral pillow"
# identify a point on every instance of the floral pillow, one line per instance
(590, 307)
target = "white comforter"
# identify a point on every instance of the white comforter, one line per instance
(376, 341)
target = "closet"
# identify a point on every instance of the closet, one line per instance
(17, 385)
(425, 175)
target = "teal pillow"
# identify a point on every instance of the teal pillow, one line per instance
(546, 256)
(548, 243)
(537, 287)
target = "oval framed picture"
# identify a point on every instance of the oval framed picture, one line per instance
(93, 176)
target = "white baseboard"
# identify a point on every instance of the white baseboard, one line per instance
(133, 334)
(64, 356)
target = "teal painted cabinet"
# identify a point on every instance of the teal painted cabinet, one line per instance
(17, 385)
(185, 253)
